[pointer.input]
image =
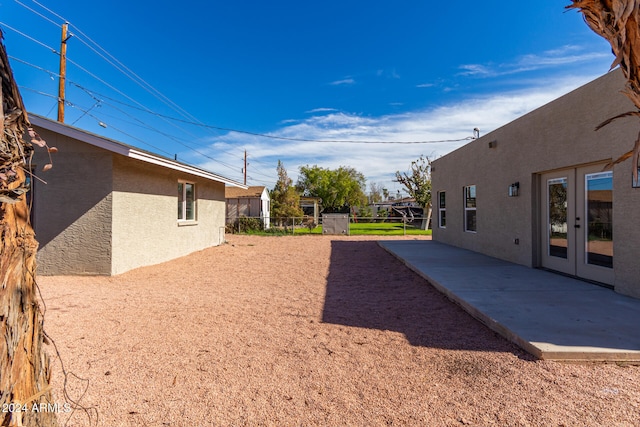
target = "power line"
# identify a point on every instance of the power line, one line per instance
(51, 73)
(225, 129)
(200, 124)
(189, 119)
(118, 65)
(38, 13)
(86, 112)
(166, 135)
(48, 10)
(139, 123)
(142, 124)
(468, 138)
(137, 80)
(29, 37)
(146, 110)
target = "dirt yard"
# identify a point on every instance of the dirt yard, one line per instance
(305, 331)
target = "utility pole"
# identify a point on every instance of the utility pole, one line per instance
(245, 167)
(63, 72)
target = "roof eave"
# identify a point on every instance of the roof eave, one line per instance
(127, 151)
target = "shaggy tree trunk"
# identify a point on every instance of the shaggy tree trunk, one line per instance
(24, 367)
(618, 22)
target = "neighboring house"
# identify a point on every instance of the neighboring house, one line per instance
(397, 207)
(108, 207)
(311, 207)
(252, 202)
(536, 192)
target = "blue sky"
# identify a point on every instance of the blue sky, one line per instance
(175, 79)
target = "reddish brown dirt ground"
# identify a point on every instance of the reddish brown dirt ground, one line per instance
(305, 330)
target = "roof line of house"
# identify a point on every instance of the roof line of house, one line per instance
(127, 150)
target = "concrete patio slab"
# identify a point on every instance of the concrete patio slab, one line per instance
(551, 316)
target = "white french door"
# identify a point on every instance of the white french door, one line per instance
(577, 232)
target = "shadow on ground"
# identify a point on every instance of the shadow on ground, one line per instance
(369, 288)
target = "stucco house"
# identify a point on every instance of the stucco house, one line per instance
(536, 191)
(251, 202)
(108, 207)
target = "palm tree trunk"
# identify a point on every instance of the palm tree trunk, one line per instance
(24, 367)
(618, 22)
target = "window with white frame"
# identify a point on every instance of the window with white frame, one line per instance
(442, 209)
(470, 208)
(186, 201)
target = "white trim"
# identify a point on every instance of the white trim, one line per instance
(127, 151)
(182, 215)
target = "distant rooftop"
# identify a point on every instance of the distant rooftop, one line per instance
(237, 193)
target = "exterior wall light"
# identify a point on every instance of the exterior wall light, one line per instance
(493, 144)
(514, 189)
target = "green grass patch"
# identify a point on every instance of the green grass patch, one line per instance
(355, 229)
(385, 229)
(373, 229)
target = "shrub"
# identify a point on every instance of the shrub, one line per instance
(245, 225)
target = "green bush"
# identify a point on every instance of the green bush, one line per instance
(245, 225)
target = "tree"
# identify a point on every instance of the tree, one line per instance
(340, 189)
(618, 21)
(418, 184)
(285, 200)
(375, 192)
(24, 366)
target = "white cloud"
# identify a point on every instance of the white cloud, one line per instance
(379, 161)
(321, 110)
(347, 81)
(475, 70)
(562, 57)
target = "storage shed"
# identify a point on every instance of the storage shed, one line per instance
(252, 202)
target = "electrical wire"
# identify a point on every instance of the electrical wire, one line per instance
(51, 73)
(199, 124)
(146, 86)
(86, 112)
(262, 135)
(39, 14)
(29, 37)
(94, 95)
(146, 110)
(188, 118)
(126, 71)
(139, 123)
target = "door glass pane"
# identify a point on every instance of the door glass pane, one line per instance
(557, 217)
(599, 210)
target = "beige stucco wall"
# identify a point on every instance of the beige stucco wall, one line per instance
(558, 135)
(72, 212)
(146, 230)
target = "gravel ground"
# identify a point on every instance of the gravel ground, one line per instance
(304, 331)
